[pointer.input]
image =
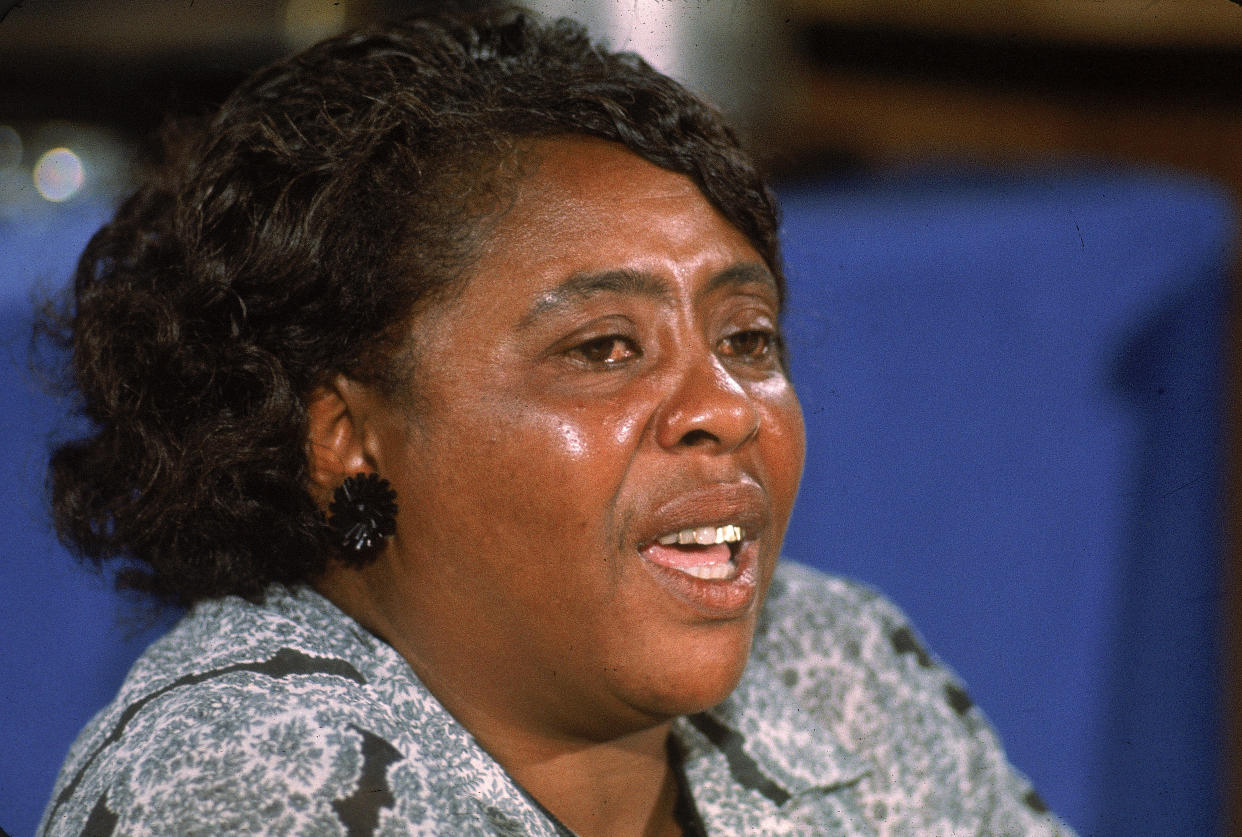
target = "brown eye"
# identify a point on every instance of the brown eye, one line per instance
(607, 351)
(750, 345)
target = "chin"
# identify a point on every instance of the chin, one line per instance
(696, 677)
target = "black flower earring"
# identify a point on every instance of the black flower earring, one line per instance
(363, 513)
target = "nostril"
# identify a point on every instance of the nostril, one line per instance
(698, 436)
(707, 410)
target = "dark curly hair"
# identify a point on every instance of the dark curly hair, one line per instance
(291, 237)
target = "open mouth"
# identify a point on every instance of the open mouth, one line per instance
(705, 548)
(704, 552)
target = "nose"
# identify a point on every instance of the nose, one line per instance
(707, 409)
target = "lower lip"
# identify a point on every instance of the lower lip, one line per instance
(719, 598)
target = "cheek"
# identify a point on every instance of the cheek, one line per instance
(558, 467)
(594, 439)
(587, 443)
(784, 440)
(571, 441)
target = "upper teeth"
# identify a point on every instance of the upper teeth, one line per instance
(704, 535)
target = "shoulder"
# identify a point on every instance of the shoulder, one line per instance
(833, 642)
(831, 621)
(245, 718)
(851, 660)
(800, 593)
(830, 627)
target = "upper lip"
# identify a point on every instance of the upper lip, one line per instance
(743, 503)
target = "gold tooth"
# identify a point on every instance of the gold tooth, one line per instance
(729, 533)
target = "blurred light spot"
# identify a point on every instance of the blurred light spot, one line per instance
(58, 175)
(309, 21)
(10, 148)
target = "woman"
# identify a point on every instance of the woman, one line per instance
(441, 376)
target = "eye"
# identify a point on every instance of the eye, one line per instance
(610, 350)
(753, 344)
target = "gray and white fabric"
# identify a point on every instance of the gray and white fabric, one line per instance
(289, 718)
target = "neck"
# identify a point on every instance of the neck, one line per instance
(597, 783)
(619, 788)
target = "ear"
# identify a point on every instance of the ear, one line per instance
(335, 444)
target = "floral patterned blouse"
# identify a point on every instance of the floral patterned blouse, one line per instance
(290, 718)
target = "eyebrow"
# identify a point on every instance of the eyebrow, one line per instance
(583, 286)
(743, 273)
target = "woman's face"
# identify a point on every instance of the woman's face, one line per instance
(608, 379)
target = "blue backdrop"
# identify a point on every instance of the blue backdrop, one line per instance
(1013, 388)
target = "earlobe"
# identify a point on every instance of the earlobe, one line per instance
(335, 447)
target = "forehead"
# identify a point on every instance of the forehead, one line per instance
(582, 204)
(574, 170)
